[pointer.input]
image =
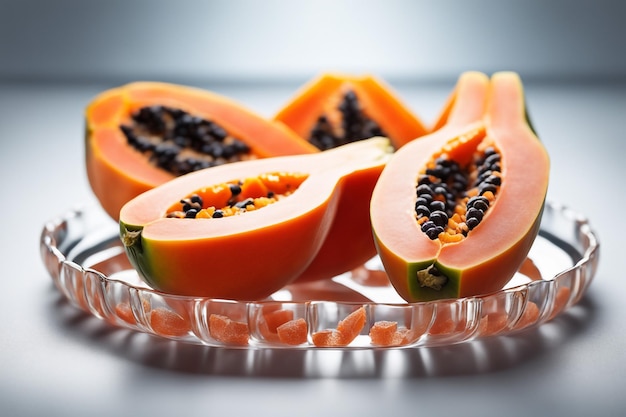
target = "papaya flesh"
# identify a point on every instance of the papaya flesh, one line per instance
(334, 109)
(470, 253)
(257, 248)
(143, 134)
(349, 243)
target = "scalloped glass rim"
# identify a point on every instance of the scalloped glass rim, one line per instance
(84, 257)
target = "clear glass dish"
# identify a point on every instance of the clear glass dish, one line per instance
(82, 253)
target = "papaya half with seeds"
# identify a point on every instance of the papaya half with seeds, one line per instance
(455, 213)
(334, 109)
(143, 134)
(241, 230)
(349, 243)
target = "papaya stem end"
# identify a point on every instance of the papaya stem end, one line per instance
(431, 278)
(130, 237)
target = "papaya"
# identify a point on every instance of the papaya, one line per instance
(455, 213)
(350, 243)
(242, 230)
(334, 109)
(142, 134)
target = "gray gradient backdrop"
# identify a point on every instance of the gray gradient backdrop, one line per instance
(272, 39)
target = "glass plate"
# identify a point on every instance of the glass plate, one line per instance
(82, 253)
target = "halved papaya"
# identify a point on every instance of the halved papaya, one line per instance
(242, 230)
(455, 213)
(334, 109)
(350, 243)
(143, 134)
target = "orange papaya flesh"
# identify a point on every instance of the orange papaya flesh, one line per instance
(349, 243)
(143, 134)
(334, 109)
(251, 255)
(293, 332)
(236, 197)
(487, 255)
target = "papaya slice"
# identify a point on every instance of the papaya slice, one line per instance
(178, 243)
(455, 213)
(143, 134)
(293, 332)
(335, 109)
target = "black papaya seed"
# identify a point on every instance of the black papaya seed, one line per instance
(440, 218)
(427, 226)
(472, 223)
(437, 205)
(422, 210)
(434, 232)
(235, 189)
(474, 213)
(484, 188)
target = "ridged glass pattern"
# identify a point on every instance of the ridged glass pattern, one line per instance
(84, 257)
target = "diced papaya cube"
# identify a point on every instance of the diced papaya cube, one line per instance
(351, 326)
(442, 326)
(273, 316)
(229, 331)
(382, 332)
(168, 323)
(123, 311)
(328, 338)
(276, 318)
(529, 316)
(347, 330)
(560, 301)
(403, 336)
(492, 323)
(387, 333)
(293, 332)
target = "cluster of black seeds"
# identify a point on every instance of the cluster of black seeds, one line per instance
(446, 184)
(355, 126)
(437, 192)
(487, 166)
(180, 142)
(193, 204)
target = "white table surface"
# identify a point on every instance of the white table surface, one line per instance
(58, 361)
